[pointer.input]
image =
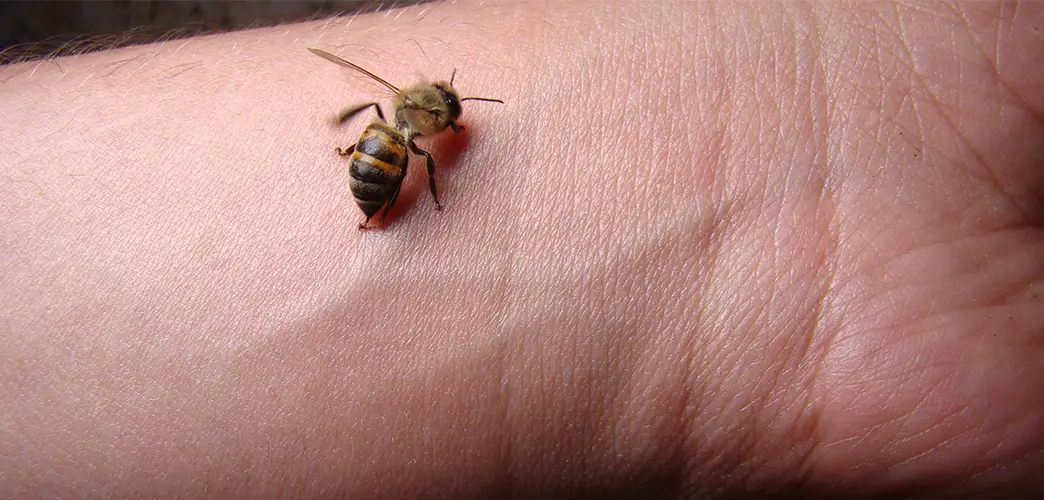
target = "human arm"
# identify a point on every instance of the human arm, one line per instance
(702, 248)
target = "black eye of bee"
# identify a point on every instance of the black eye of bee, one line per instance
(452, 103)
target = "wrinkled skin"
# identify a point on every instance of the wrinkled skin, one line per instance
(703, 249)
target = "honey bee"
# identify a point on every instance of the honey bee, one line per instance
(379, 159)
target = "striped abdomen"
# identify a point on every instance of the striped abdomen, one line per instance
(377, 165)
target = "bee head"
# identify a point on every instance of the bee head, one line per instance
(449, 96)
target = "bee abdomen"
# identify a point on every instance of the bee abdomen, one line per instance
(376, 167)
(368, 169)
(371, 185)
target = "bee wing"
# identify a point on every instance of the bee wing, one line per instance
(340, 61)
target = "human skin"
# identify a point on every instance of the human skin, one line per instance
(702, 250)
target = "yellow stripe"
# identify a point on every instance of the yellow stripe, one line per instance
(376, 162)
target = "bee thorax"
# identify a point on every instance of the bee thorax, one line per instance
(419, 122)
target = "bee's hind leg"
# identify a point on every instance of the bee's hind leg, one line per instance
(395, 194)
(346, 152)
(431, 172)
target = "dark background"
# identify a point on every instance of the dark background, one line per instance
(30, 30)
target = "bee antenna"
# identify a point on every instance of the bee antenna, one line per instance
(454, 75)
(487, 99)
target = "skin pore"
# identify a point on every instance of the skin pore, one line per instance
(703, 249)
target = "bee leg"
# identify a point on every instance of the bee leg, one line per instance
(456, 128)
(395, 194)
(350, 112)
(431, 172)
(346, 152)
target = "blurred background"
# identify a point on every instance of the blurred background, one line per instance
(29, 30)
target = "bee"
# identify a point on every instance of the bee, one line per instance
(379, 159)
